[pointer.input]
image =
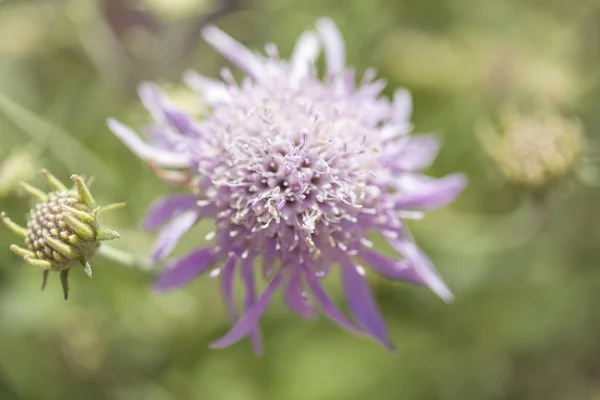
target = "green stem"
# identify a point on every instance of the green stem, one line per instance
(125, 258)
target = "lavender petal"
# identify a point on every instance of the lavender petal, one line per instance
(144, 150)
(423, 267)
(362, 304)
(305, 55)
(163, 110)
(185, 269)
(227, 275)
(248, 322)
(329, 308)
(333, 42)
(268, 260)
(233, 50)
(400, 270)
(296, 298)
(213, 91)
(153, 99)
(419, 152)
(171, 233)
(250, 300)
(402, 106)
(166, 208)
(423, 192)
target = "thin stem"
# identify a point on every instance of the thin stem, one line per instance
(124, 257)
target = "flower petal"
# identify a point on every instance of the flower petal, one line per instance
(144, 150)
(295, 296)
(268, 260)
(153, 99)
(161, 138)
(399, 270)
(227, 275)
(417, 191)
(233, 50)
(362, 304)
(250, 319)
(402, 104)
(163, 110)
(333, 42)
(250, 300)
(305, 54)
(182, 271)
(423, 267)
(394, 132)
(329, 308)
(171, 233)
(418, 153)
(166, 208)
(212, 90)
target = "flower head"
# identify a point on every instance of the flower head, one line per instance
(296, 171)
(62, 230)
(536, 150)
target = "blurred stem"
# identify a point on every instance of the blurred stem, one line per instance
(64, 147)
(489, 234)
(125, 258)
(103, 48)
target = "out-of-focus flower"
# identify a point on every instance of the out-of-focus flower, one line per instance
(24, 21)
(296, 171)
(535, 150)
(177, 9)
(20, 164)
(63, 230)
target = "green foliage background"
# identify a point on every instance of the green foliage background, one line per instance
(526, 321)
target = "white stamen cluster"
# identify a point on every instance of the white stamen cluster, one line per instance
(296, 165)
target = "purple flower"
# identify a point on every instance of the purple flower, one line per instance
(295, 171)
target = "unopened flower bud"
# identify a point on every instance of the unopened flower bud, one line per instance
(535, 150)
(62, 230)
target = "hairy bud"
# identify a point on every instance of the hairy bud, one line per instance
(62, 230)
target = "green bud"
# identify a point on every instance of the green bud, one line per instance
(535, 150)
(62, 230)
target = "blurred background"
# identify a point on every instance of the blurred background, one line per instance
(519, 248)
